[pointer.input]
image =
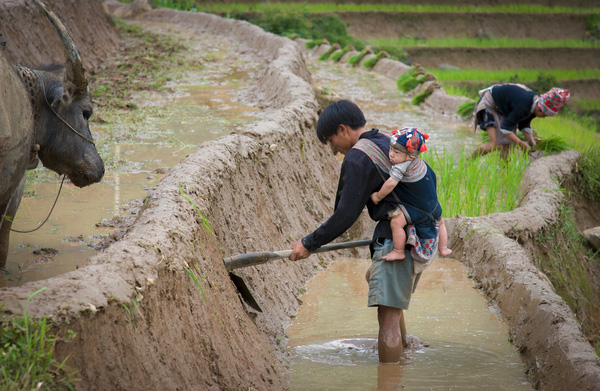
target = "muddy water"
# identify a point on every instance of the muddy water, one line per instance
(172, 127)
(456, 341)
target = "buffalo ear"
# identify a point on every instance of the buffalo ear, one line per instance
(57, 96)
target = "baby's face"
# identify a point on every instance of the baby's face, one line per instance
(397, 156)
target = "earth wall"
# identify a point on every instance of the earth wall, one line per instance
(32, 41)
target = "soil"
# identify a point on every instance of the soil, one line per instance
(157, 309)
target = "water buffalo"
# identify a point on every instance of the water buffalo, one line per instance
(48, 121)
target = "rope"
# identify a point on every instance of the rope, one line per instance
(43, 222)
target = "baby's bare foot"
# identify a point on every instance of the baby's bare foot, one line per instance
(394, 255)
(445, 251)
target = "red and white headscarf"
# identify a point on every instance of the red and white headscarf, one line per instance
(553, 100)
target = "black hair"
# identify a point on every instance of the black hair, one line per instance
(343, 112)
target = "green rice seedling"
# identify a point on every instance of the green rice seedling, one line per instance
(552, 144)
(370, 63)
(335, 57)
(204, 219)
(465, 109)
(474, 187)
(420, 98)
(196, 281)
(314, 42)
(26, 355)
(579, 133)
(325, 56)
(523, 75)
(355, 60)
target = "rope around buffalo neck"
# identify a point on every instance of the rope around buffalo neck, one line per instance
(47, 217)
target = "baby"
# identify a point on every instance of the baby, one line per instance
(416, 193)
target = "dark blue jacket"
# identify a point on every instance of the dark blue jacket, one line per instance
(515, 104)
(359, 178)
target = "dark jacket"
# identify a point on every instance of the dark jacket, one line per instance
(358, 180)
(515, 104)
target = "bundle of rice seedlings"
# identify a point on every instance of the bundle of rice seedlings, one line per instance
(325, 56)
(550, 145)
(335, 57)
(419, 98)
(465, 109)
(370, 63)
(355, 60)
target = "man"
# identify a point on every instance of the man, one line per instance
(390, 283)
(504, 108)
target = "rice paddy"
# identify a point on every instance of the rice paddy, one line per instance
(476, 187)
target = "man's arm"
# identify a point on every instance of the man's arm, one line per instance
(385, 190)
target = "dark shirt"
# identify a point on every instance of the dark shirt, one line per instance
(358, 180)
(515, 104)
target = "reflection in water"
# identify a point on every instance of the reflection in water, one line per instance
(456, 342)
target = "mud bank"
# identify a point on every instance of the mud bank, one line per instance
(143, 322)
(31, 40)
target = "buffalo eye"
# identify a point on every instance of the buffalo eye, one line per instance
(87, 114)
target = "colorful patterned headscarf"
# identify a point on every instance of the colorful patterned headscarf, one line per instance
(409, 140)
(553, 100)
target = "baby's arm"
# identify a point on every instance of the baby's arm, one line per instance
(386, 189)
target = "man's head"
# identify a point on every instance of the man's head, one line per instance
(343, 112)
(549, 103)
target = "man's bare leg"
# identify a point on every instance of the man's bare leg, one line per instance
(488, 147)
(444, 250)
(390, 340)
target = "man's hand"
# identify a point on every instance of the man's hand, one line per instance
(299, 251)
(375, 198)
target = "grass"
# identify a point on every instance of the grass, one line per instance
(477, 187)
(202, 217)
(578, 133)
(26, 355)
(469, 42)
(351, 7)
(196, 281)
(561, 255)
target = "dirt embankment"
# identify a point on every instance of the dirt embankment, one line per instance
(32, 41)
(430, 25)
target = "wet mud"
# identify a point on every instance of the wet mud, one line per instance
(157, 310)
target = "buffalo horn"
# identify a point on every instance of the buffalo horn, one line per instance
(73, 65)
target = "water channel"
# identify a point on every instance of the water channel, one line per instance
(464, 345)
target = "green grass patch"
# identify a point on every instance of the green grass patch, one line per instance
(199, 5)
(335, 57)
(469, 42)
(26, 355)
(560, 253)
(476, 187)
(587, 175)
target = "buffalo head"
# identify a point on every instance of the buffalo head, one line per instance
(62, 109)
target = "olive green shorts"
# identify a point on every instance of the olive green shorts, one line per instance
(391, 283)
